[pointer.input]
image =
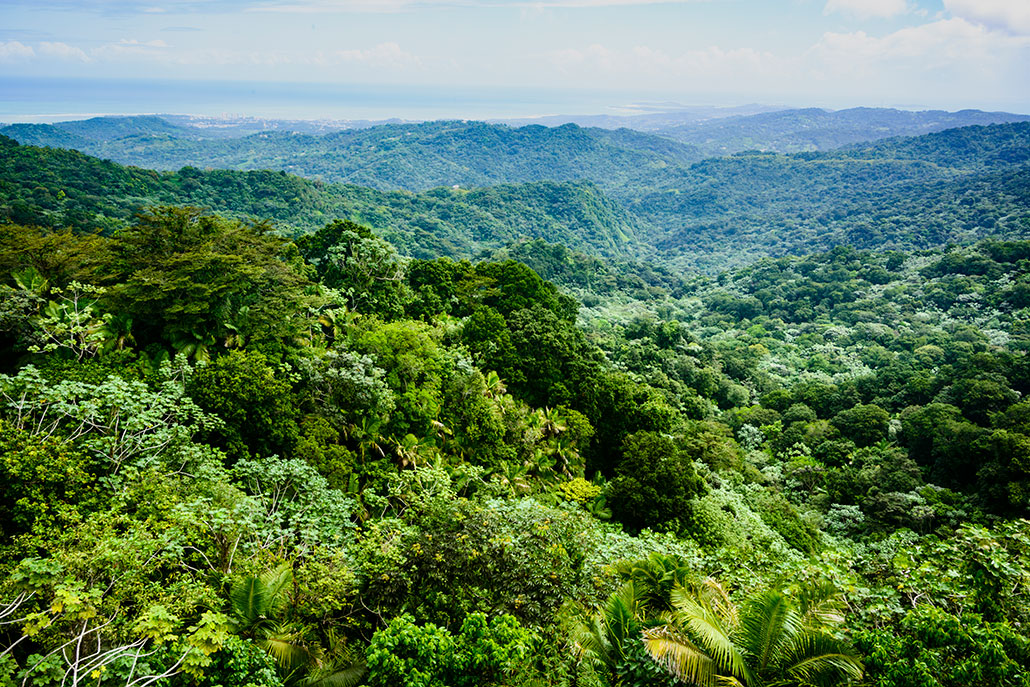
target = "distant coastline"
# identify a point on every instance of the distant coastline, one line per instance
(46, 100)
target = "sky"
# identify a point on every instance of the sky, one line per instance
(914, 54)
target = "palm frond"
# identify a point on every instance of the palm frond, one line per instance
(767, 624)
(344, 677)
(709, 632)
(712, 594)
(275, 582)
(286, 650)
(591, 645)
(679, 656)
(820, 604)
(249, 599)
(814, 656)
(621, 614)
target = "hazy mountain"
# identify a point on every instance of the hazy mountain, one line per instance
(92, 132)
(791, 131)
(661, 116)
(395, 156)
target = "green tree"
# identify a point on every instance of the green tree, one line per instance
(654, 485)
(362, 266)
(255, 403)
(771, 640)
(933, 648)
(186, 276)
(863, 424)
(404, 654)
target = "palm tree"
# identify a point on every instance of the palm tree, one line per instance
(193, 344)
(772, 641)
(117, 332)
(256, 602)
(31, 281)
(515, 476)
(655, 577)
(603, 641)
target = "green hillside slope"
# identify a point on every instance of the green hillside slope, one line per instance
(52, 187)
(395, 156)
(954, 186)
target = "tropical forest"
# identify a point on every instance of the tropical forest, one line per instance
(471, 404)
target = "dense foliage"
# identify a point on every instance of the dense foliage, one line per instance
(388, 157)
(62, 188)
(236, 458)
(623, 194)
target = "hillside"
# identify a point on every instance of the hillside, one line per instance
(959, 185)
(53, 187)
(415, 157)
(813, 129)
(918, 192)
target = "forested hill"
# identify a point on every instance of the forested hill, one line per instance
(971, 147)
(395, 156)
(955, 186)
(81, 133)
(236, 458)
(171, 142)
(812, 129)
(55, 187)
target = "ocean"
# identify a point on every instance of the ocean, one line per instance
(47, 100)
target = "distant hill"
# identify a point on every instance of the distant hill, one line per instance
(959, 185)
(918, 192)
(661, 116)
(415, 157)
(92, 132)
(54, 187)
(792, 131)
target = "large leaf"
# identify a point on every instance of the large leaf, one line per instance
(709, 632)
(768, 624)
(344, 677)
(275, 582)
(816, 658)
(250, 601)
(287, 649)
(680, 656)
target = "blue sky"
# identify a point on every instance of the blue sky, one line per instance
(830, 53)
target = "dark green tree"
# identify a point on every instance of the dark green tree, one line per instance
(654, 485)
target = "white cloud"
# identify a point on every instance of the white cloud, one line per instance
(944, 60)
(709, 68)
(388, 55)
(954, 42)
(15, 51)
(866, 9)
(146, 44)
(63, 51)
(1012, 16)
(131, 49)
